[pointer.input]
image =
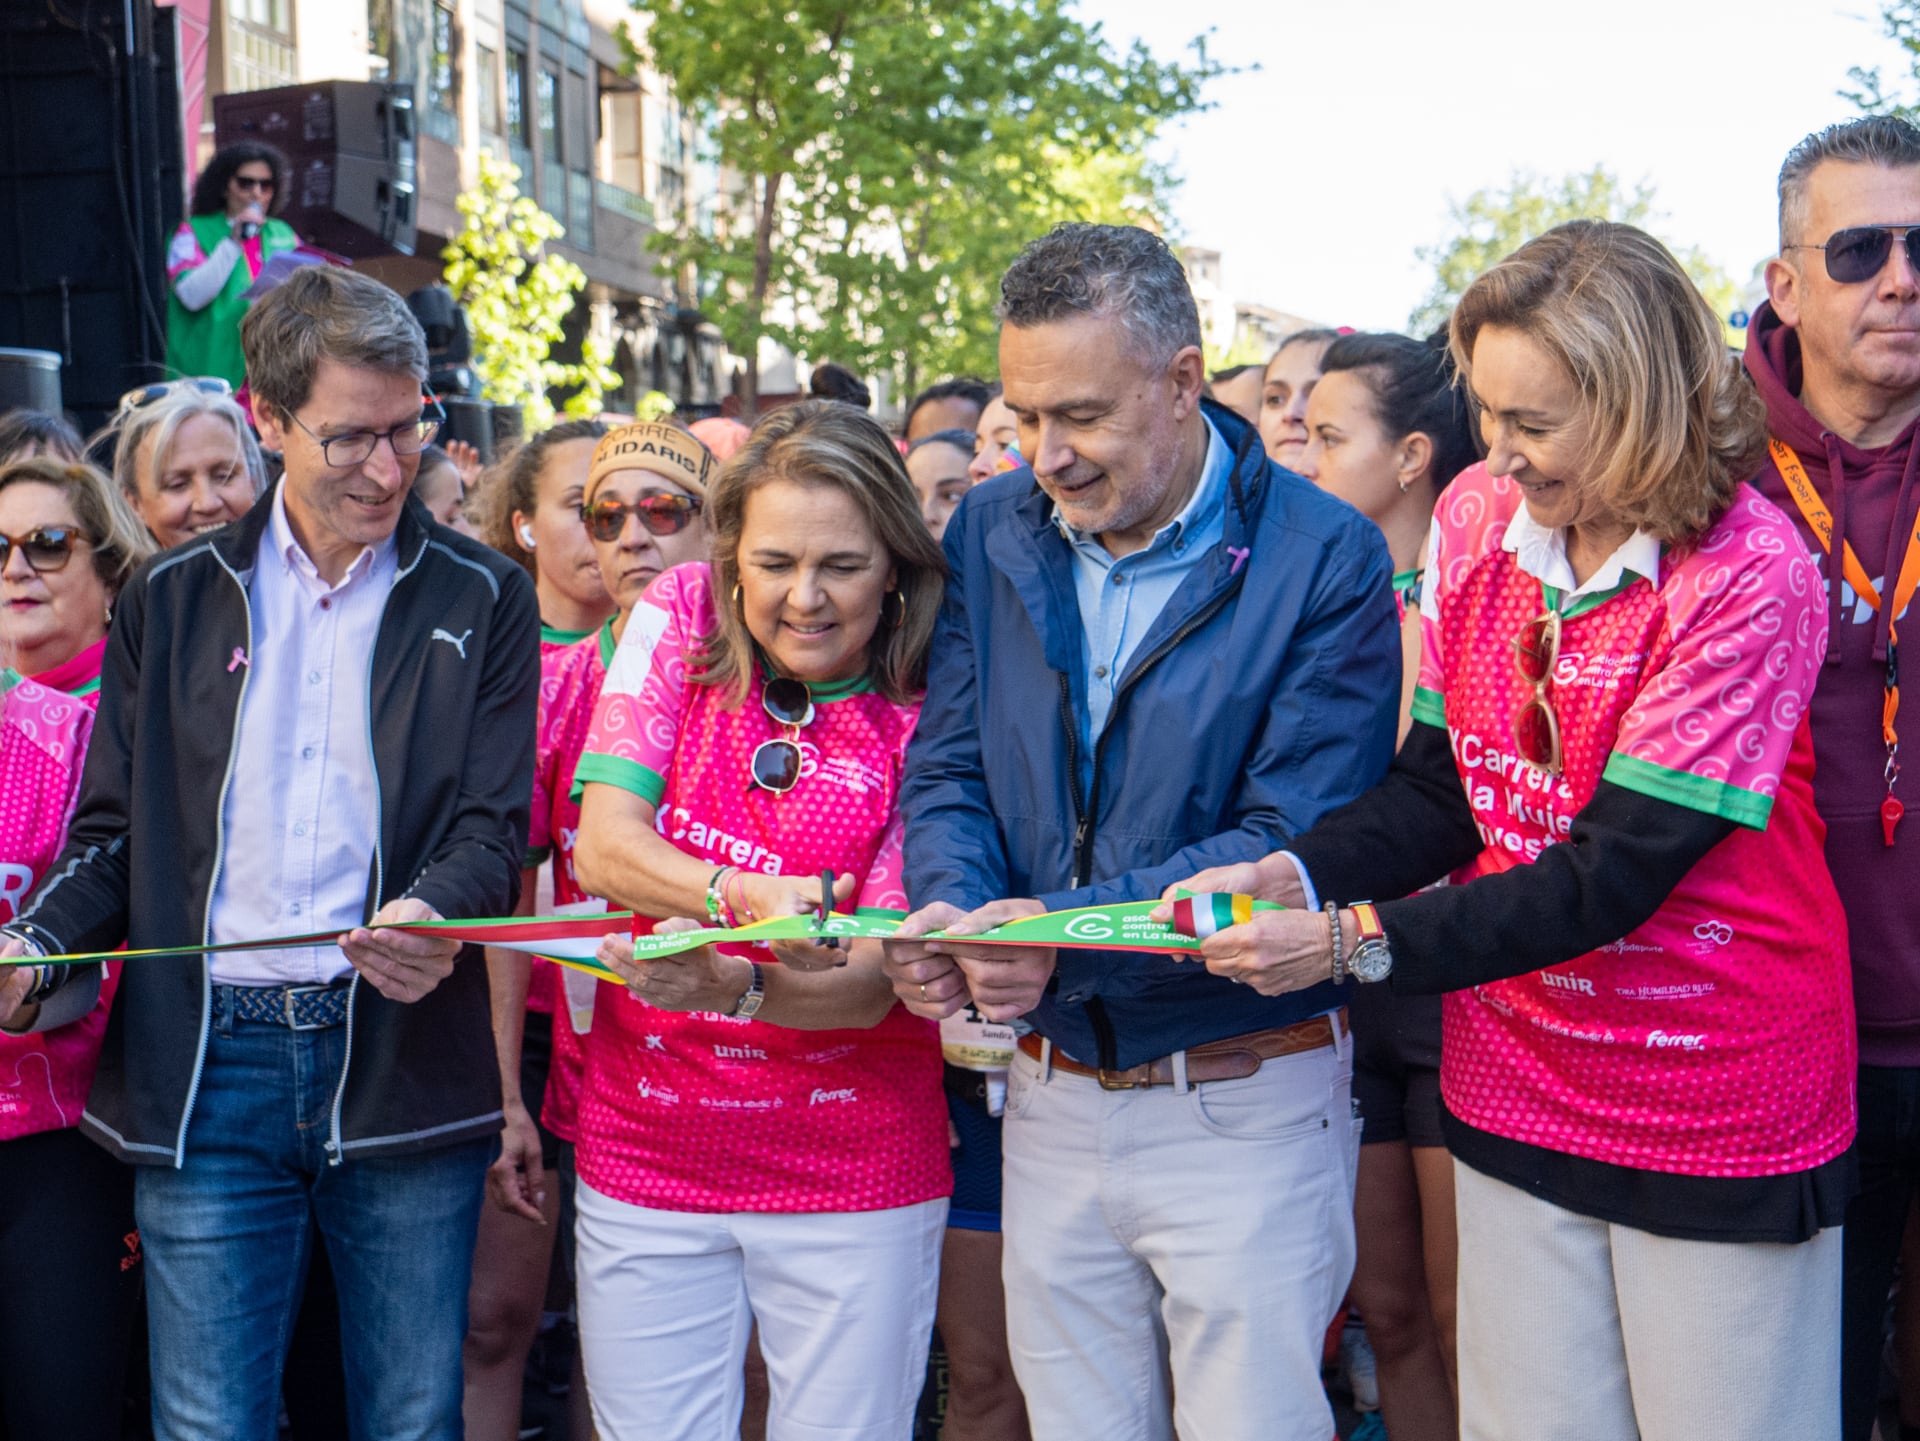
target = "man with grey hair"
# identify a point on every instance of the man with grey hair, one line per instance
(1835, 352)
(1160, 652)
(312, 721)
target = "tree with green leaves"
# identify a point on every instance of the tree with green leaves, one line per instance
(518, 297)
(893, 155)
(1491, 224)
(1901, 21)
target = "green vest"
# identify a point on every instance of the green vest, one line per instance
(207, 342)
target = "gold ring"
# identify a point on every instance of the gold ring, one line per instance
(923, 991)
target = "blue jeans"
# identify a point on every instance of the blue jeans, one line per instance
(226, 1240)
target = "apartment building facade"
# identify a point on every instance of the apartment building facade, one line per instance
(601, 144)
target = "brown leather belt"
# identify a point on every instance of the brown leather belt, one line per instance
(1227, 1060)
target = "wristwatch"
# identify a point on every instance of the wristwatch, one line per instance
(1372, 958)
(751, 998)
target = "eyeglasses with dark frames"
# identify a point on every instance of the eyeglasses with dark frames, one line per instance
(356, 447)
(254, 182)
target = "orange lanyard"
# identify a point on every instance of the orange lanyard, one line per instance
(1820, 520)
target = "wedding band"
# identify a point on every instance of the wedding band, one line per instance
(923, 990)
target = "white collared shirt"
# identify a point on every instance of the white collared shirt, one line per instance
(1542, 554)
(302, 803)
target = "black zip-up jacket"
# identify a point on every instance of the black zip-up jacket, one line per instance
(452, 730)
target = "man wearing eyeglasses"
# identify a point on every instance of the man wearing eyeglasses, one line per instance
(313, 721)
(1835, 351)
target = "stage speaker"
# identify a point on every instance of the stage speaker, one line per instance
(90, 174)
(350, 155)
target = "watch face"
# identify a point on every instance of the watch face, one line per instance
(1372, 961)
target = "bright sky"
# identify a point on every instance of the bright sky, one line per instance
(1317, 175)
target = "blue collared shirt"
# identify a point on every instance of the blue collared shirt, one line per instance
(1121, 599)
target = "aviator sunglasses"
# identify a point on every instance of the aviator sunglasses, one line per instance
(1536, 729)
(776, 763)
(1858, 252)
(659, 515)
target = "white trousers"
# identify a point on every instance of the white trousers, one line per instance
(844, 1301)
(1175, 1255)
(1574, 1329)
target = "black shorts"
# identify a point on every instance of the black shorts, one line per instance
(1396, 1065)
(536, 1064)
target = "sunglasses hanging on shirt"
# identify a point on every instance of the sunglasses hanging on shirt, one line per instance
(775, 766)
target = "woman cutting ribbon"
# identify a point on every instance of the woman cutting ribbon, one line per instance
(1649, 1043)
(760, 1138)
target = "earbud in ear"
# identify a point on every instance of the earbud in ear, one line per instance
(526, 536)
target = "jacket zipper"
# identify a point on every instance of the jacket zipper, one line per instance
(213, 881)
(336, 1152)
(1103, 1036)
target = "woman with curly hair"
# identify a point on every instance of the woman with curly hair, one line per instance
(218, 252)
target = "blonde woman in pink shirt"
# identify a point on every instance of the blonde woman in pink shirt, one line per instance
(761, 1136)
(1648, 1041)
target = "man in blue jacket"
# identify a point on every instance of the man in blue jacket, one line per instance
(1159, 652)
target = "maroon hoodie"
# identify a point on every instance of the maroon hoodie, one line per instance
(1872, 496)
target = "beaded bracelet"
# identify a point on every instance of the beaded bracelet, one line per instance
(745, 907)
(717, 896)
(1332, 908)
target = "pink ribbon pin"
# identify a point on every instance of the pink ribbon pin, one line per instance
(239, 659)
(1239, 555)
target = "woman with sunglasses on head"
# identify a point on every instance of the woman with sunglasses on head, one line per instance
(69, 1259)
(532, 514)
(1387, 428)
(762, 1135)
(186, 459)
(1649, 1044)
(641, 506)
(229, 235)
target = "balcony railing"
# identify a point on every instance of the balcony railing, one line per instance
(621, 201)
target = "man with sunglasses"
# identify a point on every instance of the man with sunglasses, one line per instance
(315, 720)
(1835, 352)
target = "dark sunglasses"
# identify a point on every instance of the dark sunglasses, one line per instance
(659, 514)
(1536, 729)
(252, 182)
(142, 396)
(1860, 252)
(776, 763)
(47, 549)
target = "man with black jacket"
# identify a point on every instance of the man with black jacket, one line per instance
(315, 720)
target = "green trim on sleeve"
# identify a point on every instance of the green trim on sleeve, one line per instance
(617, 771)
(1430, 707)
(1696, 793)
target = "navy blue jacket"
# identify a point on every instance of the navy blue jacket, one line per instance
(1265, 694)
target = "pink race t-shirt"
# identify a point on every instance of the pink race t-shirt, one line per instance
(44, 1077)
(702, 1112)
(570, 678)
(1717, 1039)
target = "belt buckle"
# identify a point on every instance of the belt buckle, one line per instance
(294, 1023)
(1117, 1080)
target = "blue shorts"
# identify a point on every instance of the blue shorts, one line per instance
(976, 1160)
